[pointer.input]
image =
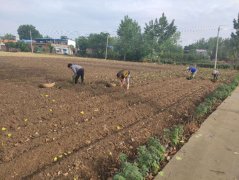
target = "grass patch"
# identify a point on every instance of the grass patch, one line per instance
(220, 94)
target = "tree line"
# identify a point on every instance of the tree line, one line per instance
(157, 42)
(158, 39)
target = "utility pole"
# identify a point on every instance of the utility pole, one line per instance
(219, 28)
(31, 40)
(215, 65)
(106, 48)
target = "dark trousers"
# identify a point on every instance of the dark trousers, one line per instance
(215, 76)
(80, 73)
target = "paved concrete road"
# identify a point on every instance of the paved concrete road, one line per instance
(213, 152)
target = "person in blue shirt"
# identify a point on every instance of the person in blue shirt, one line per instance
(78, 72)
(192, 70)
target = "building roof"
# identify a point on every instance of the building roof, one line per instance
(6, 40)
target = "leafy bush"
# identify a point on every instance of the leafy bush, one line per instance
(150, 156)
(128, 170)
(156, 148)
(144, 160)
(148, 160)
(18, 45)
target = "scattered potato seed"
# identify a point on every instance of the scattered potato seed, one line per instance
(4, 129)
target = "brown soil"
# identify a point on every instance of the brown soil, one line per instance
(87, 126)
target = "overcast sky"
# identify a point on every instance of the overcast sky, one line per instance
(194, 18)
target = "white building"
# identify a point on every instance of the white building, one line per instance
(71, 43)
(62, 49)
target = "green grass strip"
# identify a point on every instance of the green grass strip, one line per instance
(220, 94)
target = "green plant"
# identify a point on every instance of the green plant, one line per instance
(201, 110)
(128, 170)
(177, 133)
(123, 157)
(119, 177)
(174, 135)
(150, 156)
(148, 160)
(144, 160)
(131, 171)
(156, 149)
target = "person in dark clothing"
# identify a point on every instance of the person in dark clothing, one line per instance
(78, 72)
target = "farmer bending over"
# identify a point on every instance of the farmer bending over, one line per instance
(124, 76)
(192, 70)
(78, 72)
(215, 74)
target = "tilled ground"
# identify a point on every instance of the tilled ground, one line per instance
(78, 131)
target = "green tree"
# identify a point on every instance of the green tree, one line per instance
(97, 44)
(130, 39)
(24, 32)
(8, 37)
(94, 46)
(170, 49)
(235, 41)
(90, 45)
(46, 36)
(114, 48)
(64, 37)
(156, 33)
(11, 45)
(23, 47)
(224, 47)
(82, 45)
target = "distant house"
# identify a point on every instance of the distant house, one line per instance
(71, 43)
(4, 41)
(46, 45)
(67, 42)
(62, 49)
(27, 41)
(60, 46)
(2, 46)
(7, 40)
(202, 52)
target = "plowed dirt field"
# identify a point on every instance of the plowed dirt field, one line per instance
(79, 130)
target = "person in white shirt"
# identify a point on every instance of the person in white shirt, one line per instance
(78, 72)
(215, 74)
